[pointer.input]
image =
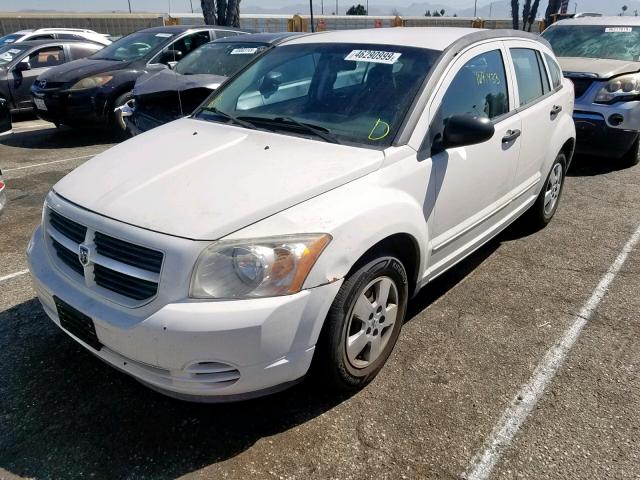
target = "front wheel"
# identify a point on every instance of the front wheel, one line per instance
(543, 210)
(363, 324)
(117, 120)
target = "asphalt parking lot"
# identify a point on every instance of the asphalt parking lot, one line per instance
(474, 338)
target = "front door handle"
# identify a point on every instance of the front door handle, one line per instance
(555, 110)
(511, 135)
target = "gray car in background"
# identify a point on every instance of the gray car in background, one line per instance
(601, 55)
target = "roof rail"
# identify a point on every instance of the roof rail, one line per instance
(58, 29)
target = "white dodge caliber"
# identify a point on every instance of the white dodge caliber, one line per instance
(285, 224)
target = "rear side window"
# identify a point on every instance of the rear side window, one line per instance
(478, 89)
(42, 37)
(225, 33)
(528, 74)
(554, 70)
(82, 51)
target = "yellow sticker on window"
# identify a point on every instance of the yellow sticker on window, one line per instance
(379, 131)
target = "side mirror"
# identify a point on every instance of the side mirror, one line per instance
(270, 83)
(172, 64)
(464, 130)
(170, 56)
(22, 66)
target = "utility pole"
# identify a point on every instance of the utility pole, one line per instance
(336, 7)
(322, 7)
(575, 7)
(313, 28)
(129, 5)
(367, 7)
(191, 2)
(475, 9)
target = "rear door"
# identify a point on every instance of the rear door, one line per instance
(535, 97)
(474, 183)
(40, 60)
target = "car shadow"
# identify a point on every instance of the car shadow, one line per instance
(65, 414)
(53, 138)
(589, 166)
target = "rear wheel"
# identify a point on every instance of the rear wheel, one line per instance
(363, 324)
(543, 210)
(632, 157)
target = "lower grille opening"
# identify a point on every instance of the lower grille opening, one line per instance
(77, 323)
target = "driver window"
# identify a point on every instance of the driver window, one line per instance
(478, 89)
(187, 44)
(47, 57)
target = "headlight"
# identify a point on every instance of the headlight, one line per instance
(92, 82)
(626, 87)
(264, 267)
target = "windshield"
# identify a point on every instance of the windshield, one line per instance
(223, 59)
(345, 93)
(593, 41)
(133, 46)
(11, 38)
(8, 53)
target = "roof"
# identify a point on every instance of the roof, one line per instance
(36, 43)
(601, 21)
(433, 38)
(258, 38)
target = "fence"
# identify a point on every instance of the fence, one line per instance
(118, 24)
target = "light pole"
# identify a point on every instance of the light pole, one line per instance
(475, 9)
(313, 28)
(129, 5)
(367, 7)
(191, 2)
(336, 7)
(322, 7)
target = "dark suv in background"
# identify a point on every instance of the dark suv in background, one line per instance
(88, 92)
(21, 63)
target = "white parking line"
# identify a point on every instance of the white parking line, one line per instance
(49, 163)
(13, 275)
(526, 399)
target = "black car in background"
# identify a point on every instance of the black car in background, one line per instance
(88, 92)
(167, 95)
(21, 63)
(5, 116)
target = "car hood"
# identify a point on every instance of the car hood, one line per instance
(167, 80)
(599, 67)
(203, 180)
(78, 69)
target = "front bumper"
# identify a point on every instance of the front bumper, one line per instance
(196, 350)
(75, 109)
(606, 130)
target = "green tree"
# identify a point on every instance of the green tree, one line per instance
(357, 10)
(427, 13)
(624, 9)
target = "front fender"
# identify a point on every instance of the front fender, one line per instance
(358, 216)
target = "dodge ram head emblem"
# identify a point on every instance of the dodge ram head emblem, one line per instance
(83, 255)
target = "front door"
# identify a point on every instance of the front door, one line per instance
(474, 184)
(39, 60)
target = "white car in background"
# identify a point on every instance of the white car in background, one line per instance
(291, 218)
(55, 34)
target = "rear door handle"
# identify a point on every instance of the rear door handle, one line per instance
(556, 110)
(511, 135)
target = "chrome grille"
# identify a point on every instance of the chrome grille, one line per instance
(129, 270)
(72, 230)
(69, 258)
(126, 285)
(125, 252)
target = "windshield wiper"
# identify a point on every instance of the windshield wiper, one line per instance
(231, 118)
(315, 130)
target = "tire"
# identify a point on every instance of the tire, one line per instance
(632, 157)
(372, 338)
(117, 122)
(543, 210)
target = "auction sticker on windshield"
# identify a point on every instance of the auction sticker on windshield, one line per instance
(243, 51)
(618, 30)
(373, 56)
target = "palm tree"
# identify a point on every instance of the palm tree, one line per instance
(526, 11)
(624, 9)
(515, 7)
(221, 12)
